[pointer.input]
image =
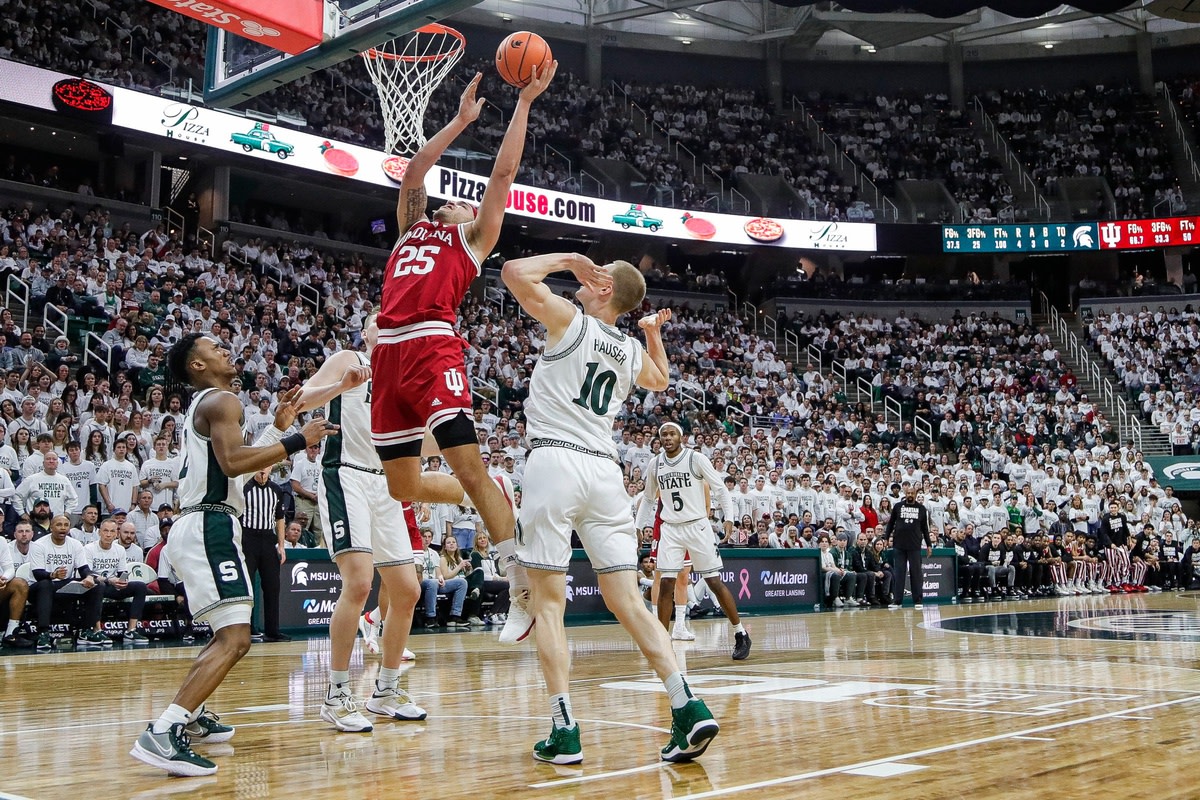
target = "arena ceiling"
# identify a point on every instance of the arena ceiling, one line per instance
(861, 23)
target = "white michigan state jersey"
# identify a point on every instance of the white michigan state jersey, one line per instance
(680, 485)
(352, 444)
(580, 384)
(201, 480)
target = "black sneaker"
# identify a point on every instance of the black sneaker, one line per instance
(741, 646)
(431, 623)
(279, 637)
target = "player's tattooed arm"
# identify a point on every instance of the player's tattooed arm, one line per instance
(411, 208)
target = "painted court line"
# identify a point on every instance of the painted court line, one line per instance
(746, 787)
(597, 776)
(1036, 738)
(1130, 716)
(7, 796)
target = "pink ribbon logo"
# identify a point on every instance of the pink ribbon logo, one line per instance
(744, 589)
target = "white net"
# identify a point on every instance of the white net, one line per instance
(405, 72)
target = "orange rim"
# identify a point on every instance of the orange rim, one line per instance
(433, 28)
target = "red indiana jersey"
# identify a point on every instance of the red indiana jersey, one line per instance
(427, 276)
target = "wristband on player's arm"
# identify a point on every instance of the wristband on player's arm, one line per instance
(294, 443)
(269, 436)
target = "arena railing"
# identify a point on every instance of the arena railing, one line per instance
(16, 294)
(55, 320)
(308, 293)
(96, 349)
(815, 356)
(924, 428)
(864, 387)
(1180, 131)
(584, 174)
(892, 407)
(740, 419)
(839, 371)
(1010, 158)
(694, 397)
(791, 344)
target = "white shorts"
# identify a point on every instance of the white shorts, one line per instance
(564, 491)
(205, 550)
(360, 516)
(680, 541)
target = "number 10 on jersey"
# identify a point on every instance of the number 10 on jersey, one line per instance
(597, 390)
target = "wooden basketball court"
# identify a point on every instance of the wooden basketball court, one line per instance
(1064, 698)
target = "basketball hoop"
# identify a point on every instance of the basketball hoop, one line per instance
(405, 72)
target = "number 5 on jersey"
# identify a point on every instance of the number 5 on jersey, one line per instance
(416, 260)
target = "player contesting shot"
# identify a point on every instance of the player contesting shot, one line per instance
(419, 364)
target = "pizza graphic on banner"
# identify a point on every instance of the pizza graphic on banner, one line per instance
(763, 230)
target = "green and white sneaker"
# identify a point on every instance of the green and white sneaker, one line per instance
(135, 636)
(692, 728)
(45, 642)
(172, 752)
(92, 640)
(395, 703)
(206, 727)
(341, 711)
(560, 747)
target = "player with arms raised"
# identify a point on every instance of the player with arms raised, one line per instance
(573, 483)
(418, 363)
(205, 547)
(682, 479)
(369, 531)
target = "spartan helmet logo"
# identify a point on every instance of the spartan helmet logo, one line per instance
(570, 591)
(1083, 237)
(299, 574)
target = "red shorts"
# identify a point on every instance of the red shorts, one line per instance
(416, 381)
(414, 530)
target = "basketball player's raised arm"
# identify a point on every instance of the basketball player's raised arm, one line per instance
(411, 207)
(525, 278)
(485, 230)
(655, 374)
(221, 413)
(341, 372)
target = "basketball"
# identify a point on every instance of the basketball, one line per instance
(519, 54)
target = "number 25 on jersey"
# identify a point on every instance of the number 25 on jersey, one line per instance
(413, 260)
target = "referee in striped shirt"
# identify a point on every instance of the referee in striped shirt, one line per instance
(262, 545)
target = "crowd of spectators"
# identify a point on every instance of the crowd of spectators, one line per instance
(1100, 131)
(919, 136)
(1154, 355)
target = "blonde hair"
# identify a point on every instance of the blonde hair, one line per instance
(629, 287)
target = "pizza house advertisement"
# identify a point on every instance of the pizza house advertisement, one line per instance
(204, 127)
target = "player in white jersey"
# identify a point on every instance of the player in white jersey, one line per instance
(205, 547)
(368, 530)
(573, 481)
(682, 479)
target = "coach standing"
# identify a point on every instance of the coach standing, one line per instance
(908, 527)
(262, 544)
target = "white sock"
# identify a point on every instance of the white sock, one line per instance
(337, 679)
(738, 628)
(388, 679)
(174, 715)
(12, 626)
(681, 615)
(560, 710)
(507, 551)
(678, 690)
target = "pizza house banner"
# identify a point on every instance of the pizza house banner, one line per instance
(218, 130)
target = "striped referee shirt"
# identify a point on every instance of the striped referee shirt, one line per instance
(264, 507)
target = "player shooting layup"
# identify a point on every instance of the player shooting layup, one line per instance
(682, 479)
(369, 530)
(419, 362)
(205, 547)
(572, 481)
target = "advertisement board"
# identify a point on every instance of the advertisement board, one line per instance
(1128, 234)
(1037, 238)
(1182, 473)
(939, 575)
(309, 589)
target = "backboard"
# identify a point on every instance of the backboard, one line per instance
(237, 68)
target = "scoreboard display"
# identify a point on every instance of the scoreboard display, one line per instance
(1028, 238)
(1127, 234)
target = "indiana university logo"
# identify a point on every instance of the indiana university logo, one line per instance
(455, 382)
